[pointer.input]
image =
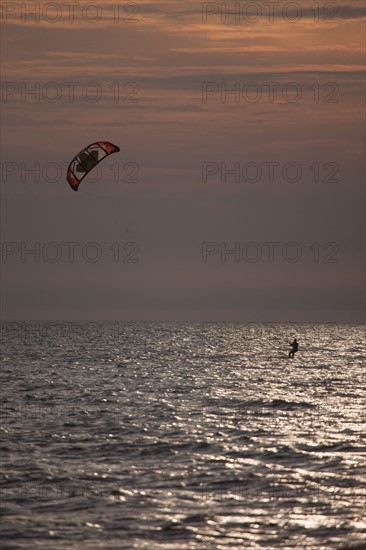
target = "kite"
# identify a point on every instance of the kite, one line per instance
(87, 159)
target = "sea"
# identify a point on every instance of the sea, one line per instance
(165, 436)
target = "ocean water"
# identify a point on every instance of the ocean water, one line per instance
(182, 437)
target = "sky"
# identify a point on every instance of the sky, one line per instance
(238, 193)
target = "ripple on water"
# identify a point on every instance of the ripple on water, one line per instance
(170, 436)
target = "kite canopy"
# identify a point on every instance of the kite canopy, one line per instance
(85, 161)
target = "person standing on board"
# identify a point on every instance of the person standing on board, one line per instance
(294, 348)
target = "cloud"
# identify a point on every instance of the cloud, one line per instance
(169, 133)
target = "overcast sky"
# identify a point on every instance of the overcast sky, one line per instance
(273, 172)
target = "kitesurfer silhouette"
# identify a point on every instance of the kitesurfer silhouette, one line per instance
(294, 348)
